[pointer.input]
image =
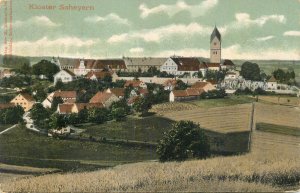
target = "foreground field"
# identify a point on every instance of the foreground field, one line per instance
(247, 173)
(22, 147)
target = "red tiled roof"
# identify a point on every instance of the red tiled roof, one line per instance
(117, 91)
(203, 65)
(81, 106)
(228, 63)
(143, 91)
(65, 108)
(101, 97)
(6, 105)
(180, 93)
(65, 94)
(170, 82)
(98, 75)
(194, 91)
(134, 83)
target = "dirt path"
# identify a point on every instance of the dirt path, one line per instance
(8, 129)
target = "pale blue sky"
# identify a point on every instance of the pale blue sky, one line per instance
(251, 29)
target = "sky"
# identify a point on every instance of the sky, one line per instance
(250, 29)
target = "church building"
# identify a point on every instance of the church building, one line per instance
(215, 46)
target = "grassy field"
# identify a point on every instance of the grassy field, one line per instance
(280, 129)
(234, 118)
(277, 114)
(3, 127)
(149, 129)
(282, 100)
(22, 147)
(232, 100)
(247, 173)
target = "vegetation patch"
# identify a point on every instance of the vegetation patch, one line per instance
(281, 129)
(20, 146)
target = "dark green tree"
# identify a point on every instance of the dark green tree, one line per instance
(184, 139)
(57, 121)
(11, 115)
(250, 71)
(98, 115)
(55, 102)
(143, 105)
(45, 67)
(180, 85)
(118, 113)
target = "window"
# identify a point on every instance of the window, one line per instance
(215, 43)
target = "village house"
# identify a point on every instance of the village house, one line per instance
(272, 83)
(143, 64)
(170, 84)
(119, 92)
(232, 75)
(104, 98)
(180, 66)
(68, 108)
(25, 100)
(65, 108)
(227, 65)
(66, 96)
(64, 76)
(135, 84)
(206, 86)
(85, 66)
(185, 95)
(214, 66)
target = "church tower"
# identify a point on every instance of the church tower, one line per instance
(215, 46)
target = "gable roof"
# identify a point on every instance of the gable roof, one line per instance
(102, 64)
(194, 91)
(228, 63)
(187, 64)
(28, 97)
(101, 97)
(98, 75)
(143, 91)
(272, 79)
(214, 34)
(169, 82)
(65, 108)
(81, 106)
(117, 91)
(65, 94)
(134, 83)
(180, 93)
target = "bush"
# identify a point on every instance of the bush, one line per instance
(213, 94)
(183, 139)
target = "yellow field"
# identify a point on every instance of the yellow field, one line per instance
(222, 119)
(252, 172)
(277, 114)
(292, 101)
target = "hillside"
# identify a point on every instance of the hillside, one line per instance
(248, 173)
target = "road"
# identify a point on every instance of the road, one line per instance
(29, 122)
(8, 129)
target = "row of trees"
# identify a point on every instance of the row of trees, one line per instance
(152, 71)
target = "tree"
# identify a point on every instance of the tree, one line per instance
(118, 113)
(83, 116)
(11, 115)
(57, 121)
(98, 115)
(183, 139)
(121, 104)
(142, 105)
(38, 112)
(45, 67)
(180, 85)
(55, 102)
(24, 69)
(250, 71)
